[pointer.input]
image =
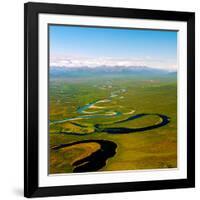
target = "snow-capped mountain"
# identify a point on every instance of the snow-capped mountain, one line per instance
(104, 70)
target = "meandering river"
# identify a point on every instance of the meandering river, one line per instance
(96, 160)
(112, 130)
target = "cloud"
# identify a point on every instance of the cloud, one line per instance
(72, 61)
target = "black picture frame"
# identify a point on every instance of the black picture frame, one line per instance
(31, 12)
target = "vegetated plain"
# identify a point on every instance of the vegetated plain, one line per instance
(79, 103)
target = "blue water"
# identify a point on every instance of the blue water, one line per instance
(81, 110)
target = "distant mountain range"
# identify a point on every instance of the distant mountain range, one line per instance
(104, 70)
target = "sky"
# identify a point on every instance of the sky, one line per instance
(75, 46)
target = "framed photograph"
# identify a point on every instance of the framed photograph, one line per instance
(109, 99)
